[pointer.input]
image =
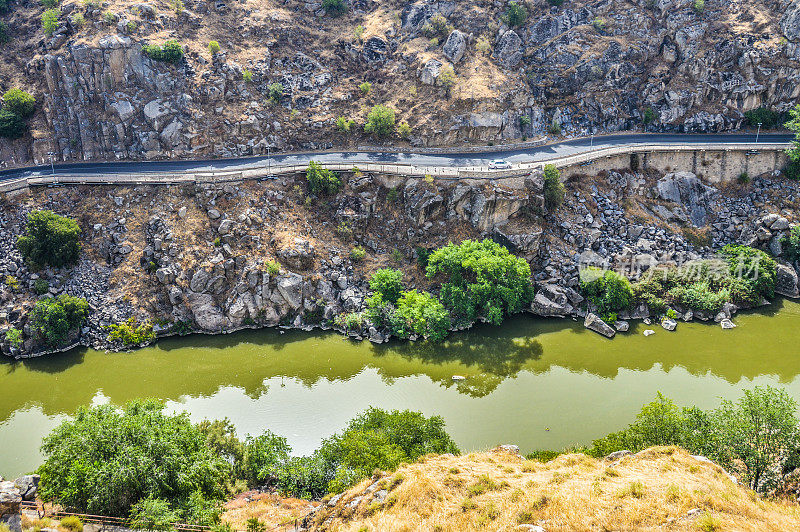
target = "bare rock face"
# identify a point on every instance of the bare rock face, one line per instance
(786, 281)
(686, 189)
(594, 323)
(508, 51)
(10, 500)
(299, 254)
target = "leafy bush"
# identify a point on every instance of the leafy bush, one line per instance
(756, 437)
(321, 180)
(387, 282)
(55, 318)
(49, 4)
(41, 287)
(4, 34)
(50, 240)
(213, 47)
(437, 27)
(791, 244)
(344, 125)
(599, 24)
(350, 321)
(50, 21)
(14, 337)
(404, 130)
(12, 126)
(380, 121)
(699, 5)
(446, 78)
(365, 88)
(78, 20)
(19, 102)
(420, 314)
(516, 14)
(481, 278)
(754, 267)
(72, 523)
(524, 121)
(107, 460)
(275, 92)
(273, 268)
(261, 458)
(334, 8)
(608, 293)
(765, 116)
(170, 52)
(554, 191)
(247, 76)
(131, 332)
(648, 116)
(11, 282)
(358, 32)
(152, 514)
(358, 253)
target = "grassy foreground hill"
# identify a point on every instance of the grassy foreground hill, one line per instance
(660, 488)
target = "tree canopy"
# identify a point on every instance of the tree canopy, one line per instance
(51, 239)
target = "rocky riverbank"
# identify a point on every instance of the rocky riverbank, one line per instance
(218, 258)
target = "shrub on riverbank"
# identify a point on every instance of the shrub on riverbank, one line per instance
(54, 319)
(481, 279)
(131, 332)
(51, 240)
(608, 292)
(757, 437)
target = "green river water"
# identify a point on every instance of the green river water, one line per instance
(537, 383)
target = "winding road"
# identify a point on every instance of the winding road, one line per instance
(444, 160)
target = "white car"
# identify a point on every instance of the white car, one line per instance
(499, 164)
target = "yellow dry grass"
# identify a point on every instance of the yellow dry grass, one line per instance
(655, 489)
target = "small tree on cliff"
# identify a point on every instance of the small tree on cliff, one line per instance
(380, 121)
(793, 125)
(553, 187)
(51, 240)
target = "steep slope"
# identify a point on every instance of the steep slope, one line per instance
(584, 65)
(661, 488)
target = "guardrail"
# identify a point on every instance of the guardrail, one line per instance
(266, 170)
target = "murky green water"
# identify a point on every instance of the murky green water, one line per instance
(536, 383)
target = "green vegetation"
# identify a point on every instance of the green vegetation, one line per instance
(554, 191)
(756, 437)
(321, 180)
(14, 337)
(365, 88)
(213, 47)
(50, 21)
(404, 130)
(78, 20)
(791, 244)
(608, 292)
(437, 27)
(12, 126)
(380, 121)
(247, 76)
(387, 283)
(50, 240)
(131, 332)
(344, 125)
(482, 45)
(358, 253)
(420, 314)
(41, 286)
(5, 36)
(170, 52)
(19, 102)
(350, 321)
(334, 8)
(699, 6)
(599, 24)
(447, 78)
(275, 92)
(481, 279)
(524, 121)
(72, 523)
(768, 118)
(157, 469)
(555, 2)
(55, 318)
(648, 116)
(516, 14)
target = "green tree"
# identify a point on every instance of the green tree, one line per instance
(793, 125)
(131, 332)
(12, 126)
(365, 88)
(275, 92)
(55, 318)
(791, 244)
(213, 47)
(262, 457)
(14, 337)
(446, 78)
(481, 278)
(19, 102)
(388, 283)
(609, 292)
(421, 314)
(755, 432)
(754, 268)
(152, 514)
(51, 240)
(334, 8)
(50, 21)
(516, 14)
(106, 459)
(170, 52)
(321, 180)
(380, 121)
(554, 191)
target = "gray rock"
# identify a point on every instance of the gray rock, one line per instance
(727, 324)
(780, 224)
(786, 281)
(616, 455)
(685, 189)
(199, 281)
(508, 51)
(430, 71)
(455, 46)
(594, 323)
(669, 324)
(207, 315)
(27, 485)
(10, 500)
(290, 287)
(622, 326)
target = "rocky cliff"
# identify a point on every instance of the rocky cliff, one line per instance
(579, 67)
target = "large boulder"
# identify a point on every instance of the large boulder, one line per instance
(430, 71)
(508, 51)
(455, 46)
(207, 315)
(10, 500)
(786, 281)
(299, 254)
(594, 323)
(27, 486)
(554, 301)
(290, 287)
(686, 189)
(790, 23)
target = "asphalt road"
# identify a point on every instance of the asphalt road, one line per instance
(539, 153)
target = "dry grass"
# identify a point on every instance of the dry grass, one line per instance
(655, 489)
(269, 508)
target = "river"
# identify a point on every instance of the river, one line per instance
(540, 384)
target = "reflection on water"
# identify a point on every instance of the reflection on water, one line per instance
(525, 376)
